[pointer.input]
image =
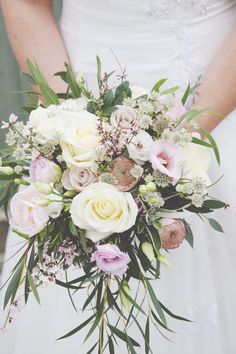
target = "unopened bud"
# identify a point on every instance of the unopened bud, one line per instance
(70, 193)
(148, 251)
(43, 188)
(164, 260)
(151, 187)
(21, 181)
(7, 170)
(123, 298)
(142, 189)
(43, 202)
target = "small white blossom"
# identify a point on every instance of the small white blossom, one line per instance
(144, 120)
(60, 158)
(148, 178)
(137, 171)
(19, 154)
(18, 169)
(197, 199)
(11, 138)
(108, 178)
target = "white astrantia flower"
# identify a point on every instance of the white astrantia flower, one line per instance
(137, 171)
(144, 120)
(102, 210)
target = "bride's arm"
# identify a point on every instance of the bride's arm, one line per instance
(218, 89)
(33, 34)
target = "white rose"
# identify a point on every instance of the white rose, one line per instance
(138, 91)
(139, 147)
(198, 160)
(74, 105)
(54, 119)
(46, 121)
(102, 210)
(77, 178)
(80, 140)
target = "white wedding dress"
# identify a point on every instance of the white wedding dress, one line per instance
(153, 39)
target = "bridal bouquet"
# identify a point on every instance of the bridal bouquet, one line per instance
(103, 183)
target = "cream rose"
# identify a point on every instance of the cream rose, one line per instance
(77, 178)
(80, 140)
(102, 210)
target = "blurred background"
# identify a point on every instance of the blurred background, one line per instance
(12, 98)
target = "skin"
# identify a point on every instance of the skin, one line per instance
(33, 31)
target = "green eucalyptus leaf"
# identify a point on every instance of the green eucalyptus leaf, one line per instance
(215, 225)
(214, 204)
(189, 235)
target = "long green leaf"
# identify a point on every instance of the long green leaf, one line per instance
(92, 349)
(111, 345)
(49, 95)
(173, 315)
(186, 94)
(130, 345)
(122, 335)
(200, 142)
(147, 336)
(33, 286)
(70, 77)
(156, 302)
(213, 144)
(77, 329)
(13, 285)
(156, 87)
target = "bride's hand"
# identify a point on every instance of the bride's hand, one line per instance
(218, 89)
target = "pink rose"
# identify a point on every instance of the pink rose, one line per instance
(110, 259)
(172, 234)
(126, 119)
(28, 217)
(77, 178)
(166, 157)
(44, 171)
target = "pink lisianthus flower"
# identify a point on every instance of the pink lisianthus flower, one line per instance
(27, 216)
(110, 259)
(166, 158)
(172, 234)
(44, 171)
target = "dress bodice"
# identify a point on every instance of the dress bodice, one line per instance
(151, 38)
